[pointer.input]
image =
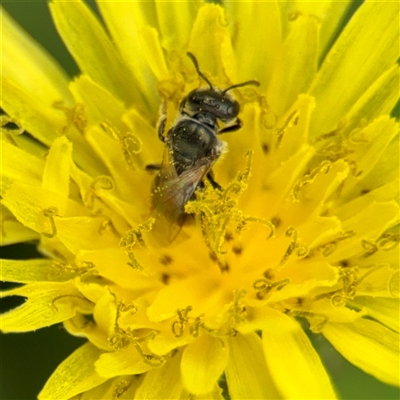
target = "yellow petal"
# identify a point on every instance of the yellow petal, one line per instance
(215, 394)
(13, 231)
(153, 52)
(162, 383)
(19, 165)
(203, 362)
(381, 309)
(43, 123)
(247, 374)
(210, 35)
(39, 209)
(256, 54)
(56, 175)
(175, 36)
(152, 146)
(312, 274)
(85, 233)
(125, 21)
(29, 67)
(294, 363)
(198, 291)
(92, 49)
(352, 66)
(329, 14)
(33, 270)
(123, 362)
(379, 99)
(372, 142)
(123, 387)
(47, 304)
(299, 65)
(383, 280)
(81, 326)
(277, 188)
(386, 169)
(74, 375)
(377, 217)
(382, 194)
(369, 346)
(100, 105)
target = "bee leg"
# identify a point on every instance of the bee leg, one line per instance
(231, 128)
(153, 167)
(215, 185)
(162, 121)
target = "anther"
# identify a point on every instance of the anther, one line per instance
(283, 129)
(76, 115)
(370, 248)
(64, 296)
(121, 387)
(10, 128)
(7, 218)
(178, 327)
(50, 213)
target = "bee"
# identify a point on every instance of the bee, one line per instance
(192, 146)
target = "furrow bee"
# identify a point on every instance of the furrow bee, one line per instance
(192, 145)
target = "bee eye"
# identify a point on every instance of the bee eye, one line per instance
(233, 110)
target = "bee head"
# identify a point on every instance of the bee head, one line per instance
(217, 102)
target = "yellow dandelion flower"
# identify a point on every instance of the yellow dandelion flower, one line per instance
(299, 234)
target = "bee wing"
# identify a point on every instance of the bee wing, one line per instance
(171, 192)
(167, 171)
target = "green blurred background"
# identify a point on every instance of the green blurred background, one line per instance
(27, 360)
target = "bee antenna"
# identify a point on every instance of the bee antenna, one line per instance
(196, 65)
(254, 83)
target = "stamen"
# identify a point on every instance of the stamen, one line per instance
(118, 342)
(121, 387)
(370, 247)
(316, 320)
(339, 300)
(178, 327)
(216, 210)
(328, 248)
(123, 308)
(7, 218)
(151, 359)
(264, 286)
(289, 233)
(131, 145)
(86, 267)
(388, 241)
(122, 338)
(107, 224)
(50, 213)
(324, 168)
(195, 327)
(82, 322)
(126, 140)
(10, 132)
(279, 132)
(76, 115)
(53, 305)
(102, 182)
(133, 237)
